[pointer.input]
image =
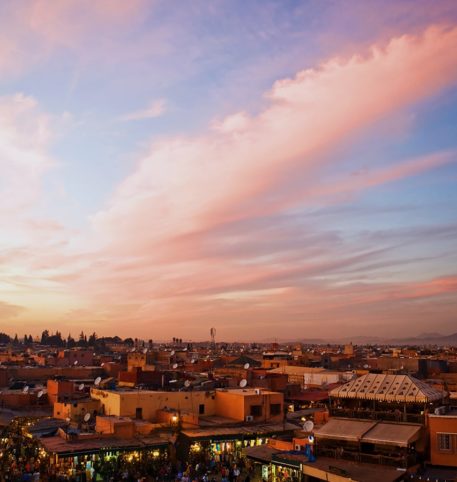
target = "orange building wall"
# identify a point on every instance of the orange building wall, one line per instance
(443, 424)
(274, 363)
(122, 428)
(229, 406)
(59, 389)
(75, 410)
(237, 405)
(16, 399)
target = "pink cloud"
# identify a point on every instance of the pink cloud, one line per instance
(188, 184)
(35, 30)
(155, 109)
(150, 239)
(162, 248)
(24, 138)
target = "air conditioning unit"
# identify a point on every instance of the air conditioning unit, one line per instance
(297, 447)
(249, 418)
(257, 391)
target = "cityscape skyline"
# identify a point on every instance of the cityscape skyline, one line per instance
(265, 168)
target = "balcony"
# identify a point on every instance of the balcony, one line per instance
(398, 461)
(392, 416)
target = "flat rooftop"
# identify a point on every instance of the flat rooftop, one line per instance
(62, 447)
(246, 391)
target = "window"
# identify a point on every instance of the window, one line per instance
(139, 413)
(275, 409)
(256, 410)
(201, 409)
(444, 442)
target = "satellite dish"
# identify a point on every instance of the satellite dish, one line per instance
(308, 426)
(193, 360)
(246, 366)
(132, 350)
(87, 417)
(172, 353)
(102, 364)
(145, 350)
(366, 366)
(187, 383)
(68, 419)
(81, 387)
(75, 362)
(25, 389)
(184, 349)
(40, 394)
(243, 383)
(97, 381)
(175, 366)
(172, 381)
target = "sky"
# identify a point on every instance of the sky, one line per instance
(273, 169)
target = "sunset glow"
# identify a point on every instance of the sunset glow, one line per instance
(273, 169)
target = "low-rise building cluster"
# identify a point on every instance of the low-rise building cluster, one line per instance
(254, 412)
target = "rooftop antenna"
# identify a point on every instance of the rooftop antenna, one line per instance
(212, 332)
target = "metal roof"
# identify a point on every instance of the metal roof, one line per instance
(381, 433)
(391, 388)
(400, 435)
(344, 429)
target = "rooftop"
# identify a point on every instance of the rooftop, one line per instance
(60, 446)
(391, 388)
(258, 429)
(382, 433)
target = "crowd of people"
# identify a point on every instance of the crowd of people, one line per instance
(22, 459)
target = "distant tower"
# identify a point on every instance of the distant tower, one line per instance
(349, 349)
(212, 332)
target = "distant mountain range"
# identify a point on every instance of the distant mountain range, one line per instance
(422, 339)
